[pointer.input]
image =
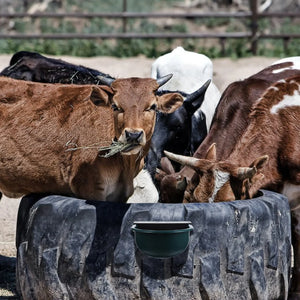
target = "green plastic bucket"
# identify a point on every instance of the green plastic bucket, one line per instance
(162, 239)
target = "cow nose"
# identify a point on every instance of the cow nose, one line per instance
(133, 137)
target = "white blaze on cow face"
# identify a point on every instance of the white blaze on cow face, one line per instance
(220, 178)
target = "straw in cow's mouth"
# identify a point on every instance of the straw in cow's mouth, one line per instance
(114, 148)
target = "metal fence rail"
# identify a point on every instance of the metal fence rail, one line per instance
(252, 34)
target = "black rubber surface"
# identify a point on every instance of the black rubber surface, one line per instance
(73, 249)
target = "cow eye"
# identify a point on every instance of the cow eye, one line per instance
(152, 107)
(115, 107)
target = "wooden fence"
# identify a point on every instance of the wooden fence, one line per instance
(253, 33)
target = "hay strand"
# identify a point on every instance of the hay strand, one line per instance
(114, 148)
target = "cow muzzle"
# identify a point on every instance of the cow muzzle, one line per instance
(135, 139)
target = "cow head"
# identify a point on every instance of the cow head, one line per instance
(219, 181)
(134, 103)
(32, 66)
(22, 65)
(173, 183)
(173, 131)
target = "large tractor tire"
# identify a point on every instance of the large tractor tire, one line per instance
(74, 249)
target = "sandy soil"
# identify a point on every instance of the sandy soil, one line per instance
(226, 71)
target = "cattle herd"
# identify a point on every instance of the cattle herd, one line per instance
(176, 138)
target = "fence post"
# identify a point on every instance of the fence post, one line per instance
(25, 5)
(222, 43)
(254, 25)
(125, 18)
(285, 44)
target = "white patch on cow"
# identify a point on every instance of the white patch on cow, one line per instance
(292, 192)
(275, 88)
(282, 70)
(144, 189)
(281, 81)
(293, 100)
(220, 179)
(295, 60)
(190, 71)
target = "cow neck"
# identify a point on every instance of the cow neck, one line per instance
(262, 137)
(130, 161)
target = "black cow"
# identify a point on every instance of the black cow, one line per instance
(32, 66)
(174, 131)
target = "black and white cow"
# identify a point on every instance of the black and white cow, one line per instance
(173, 132)
(190, 70)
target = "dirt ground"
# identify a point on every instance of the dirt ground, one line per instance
(226, 71)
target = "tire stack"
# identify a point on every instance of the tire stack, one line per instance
(70, 248)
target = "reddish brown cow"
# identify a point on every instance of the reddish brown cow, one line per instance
(39, 122)
(273, 135)
(229, 122)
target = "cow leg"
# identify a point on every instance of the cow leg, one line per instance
(294, 292)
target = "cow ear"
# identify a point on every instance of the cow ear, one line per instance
(249, 172)
(159, 175)
(166, 165)
(166, 169)
(248, 183)
(260, 162)
(100, 95)
(243, 173)
(211, 153)
(168, 103)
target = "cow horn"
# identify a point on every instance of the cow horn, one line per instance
(105, 80)
(162, 80)
(195, 95)
(183, 160)
(246, 172)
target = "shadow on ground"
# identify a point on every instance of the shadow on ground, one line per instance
(8, 278)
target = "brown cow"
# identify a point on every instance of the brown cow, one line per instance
(273, 135)
(39, 122)
(229, 122)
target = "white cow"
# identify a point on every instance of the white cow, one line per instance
(144, 189)
(190, 71)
